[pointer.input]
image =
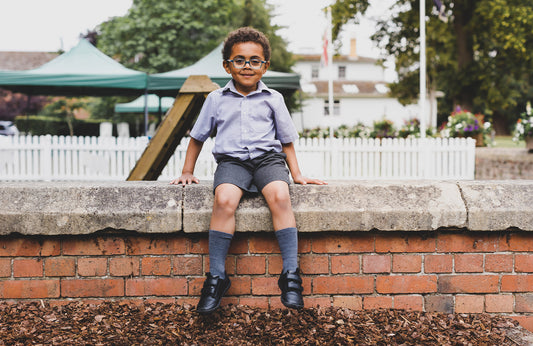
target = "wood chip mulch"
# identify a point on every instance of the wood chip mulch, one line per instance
(115, 323)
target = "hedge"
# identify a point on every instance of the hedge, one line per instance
(45, 125)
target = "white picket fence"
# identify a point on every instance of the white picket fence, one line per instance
(112, 158)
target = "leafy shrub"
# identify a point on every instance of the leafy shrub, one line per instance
(358, 130)
(463, 123)
(380, 129)
(411, 129)
(56, 126)
(383, 129)
(524, 125)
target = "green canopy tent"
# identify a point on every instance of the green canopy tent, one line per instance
(155, 104)
(152, 104)
(82, 71)
(168, 83)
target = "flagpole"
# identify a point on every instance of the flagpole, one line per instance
(422, 82)
(330, 70)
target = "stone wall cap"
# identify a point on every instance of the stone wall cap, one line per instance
(343, 206)
(498, 205)
(54, 208)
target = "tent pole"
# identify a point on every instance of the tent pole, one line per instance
(146, 112)
(28, 101)
(160, 114)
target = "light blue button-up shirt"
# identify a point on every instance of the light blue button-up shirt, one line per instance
(247, 126)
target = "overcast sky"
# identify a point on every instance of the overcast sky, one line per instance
(50, 25)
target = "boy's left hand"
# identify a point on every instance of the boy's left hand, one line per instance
(304, 180)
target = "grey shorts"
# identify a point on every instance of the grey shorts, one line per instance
(254, 174)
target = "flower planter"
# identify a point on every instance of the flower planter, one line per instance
(529, 143)
(480, 142)
(463, 123)
(478, 137)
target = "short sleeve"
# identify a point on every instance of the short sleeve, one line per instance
(285, 129)
(205, 123)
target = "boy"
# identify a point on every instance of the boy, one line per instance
(254, 142)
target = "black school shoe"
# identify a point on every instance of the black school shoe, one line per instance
(290, 284)
(212, 292)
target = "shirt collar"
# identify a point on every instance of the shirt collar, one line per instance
(261, 87)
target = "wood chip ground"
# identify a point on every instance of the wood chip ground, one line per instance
(116, 323)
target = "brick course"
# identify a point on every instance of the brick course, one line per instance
(444, 271)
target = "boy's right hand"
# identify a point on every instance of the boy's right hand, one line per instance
(185, 179)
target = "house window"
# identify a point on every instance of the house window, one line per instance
(314, 71)
(342, 72)
(336, 107)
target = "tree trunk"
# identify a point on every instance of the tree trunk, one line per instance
(70, 118)
(500, 124)
(463, 12)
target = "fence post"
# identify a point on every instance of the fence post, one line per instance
(424, 163)
(45, 143)
(57, 158)
(6, 158)
(471, 158)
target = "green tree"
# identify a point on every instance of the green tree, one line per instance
(64, 107)
(163, 35)
(480, 58)
(258, 14)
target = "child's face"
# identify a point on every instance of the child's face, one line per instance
(246, 78)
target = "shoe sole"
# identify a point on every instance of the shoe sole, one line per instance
(292, 306)
(208, 312)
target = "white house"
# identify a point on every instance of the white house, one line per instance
(360, 93)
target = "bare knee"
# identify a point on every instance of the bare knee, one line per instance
(225, 203)
(278, 197)
(282, 200)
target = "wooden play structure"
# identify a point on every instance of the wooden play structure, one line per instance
(174, 126)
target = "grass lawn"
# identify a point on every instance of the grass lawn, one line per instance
(507, 142)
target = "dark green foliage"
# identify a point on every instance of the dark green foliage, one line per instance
(481, 58)
(163, 35)
(56, 126)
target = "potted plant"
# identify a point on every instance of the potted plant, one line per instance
(411, 129)
(355, 131)
(317, 132)
(463, 123)
(523, 130)
(383, 129)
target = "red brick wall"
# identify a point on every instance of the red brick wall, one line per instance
(503, 163)
(463, 272)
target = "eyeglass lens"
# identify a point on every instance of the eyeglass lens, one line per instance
(240, 63)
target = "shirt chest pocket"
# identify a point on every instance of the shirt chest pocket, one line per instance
(260, 118)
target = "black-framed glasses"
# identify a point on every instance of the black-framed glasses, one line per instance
(240, 63)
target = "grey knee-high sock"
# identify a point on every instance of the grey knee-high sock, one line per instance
(219, 243)
(288, 245)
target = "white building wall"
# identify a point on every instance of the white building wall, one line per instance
(353, 109)
(354, 71)
(364, 72)
(304, 70)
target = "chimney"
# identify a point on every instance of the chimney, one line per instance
(353, 48)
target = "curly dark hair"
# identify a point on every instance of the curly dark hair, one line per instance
(246, 34)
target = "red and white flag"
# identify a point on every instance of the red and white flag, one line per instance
(324, 57)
